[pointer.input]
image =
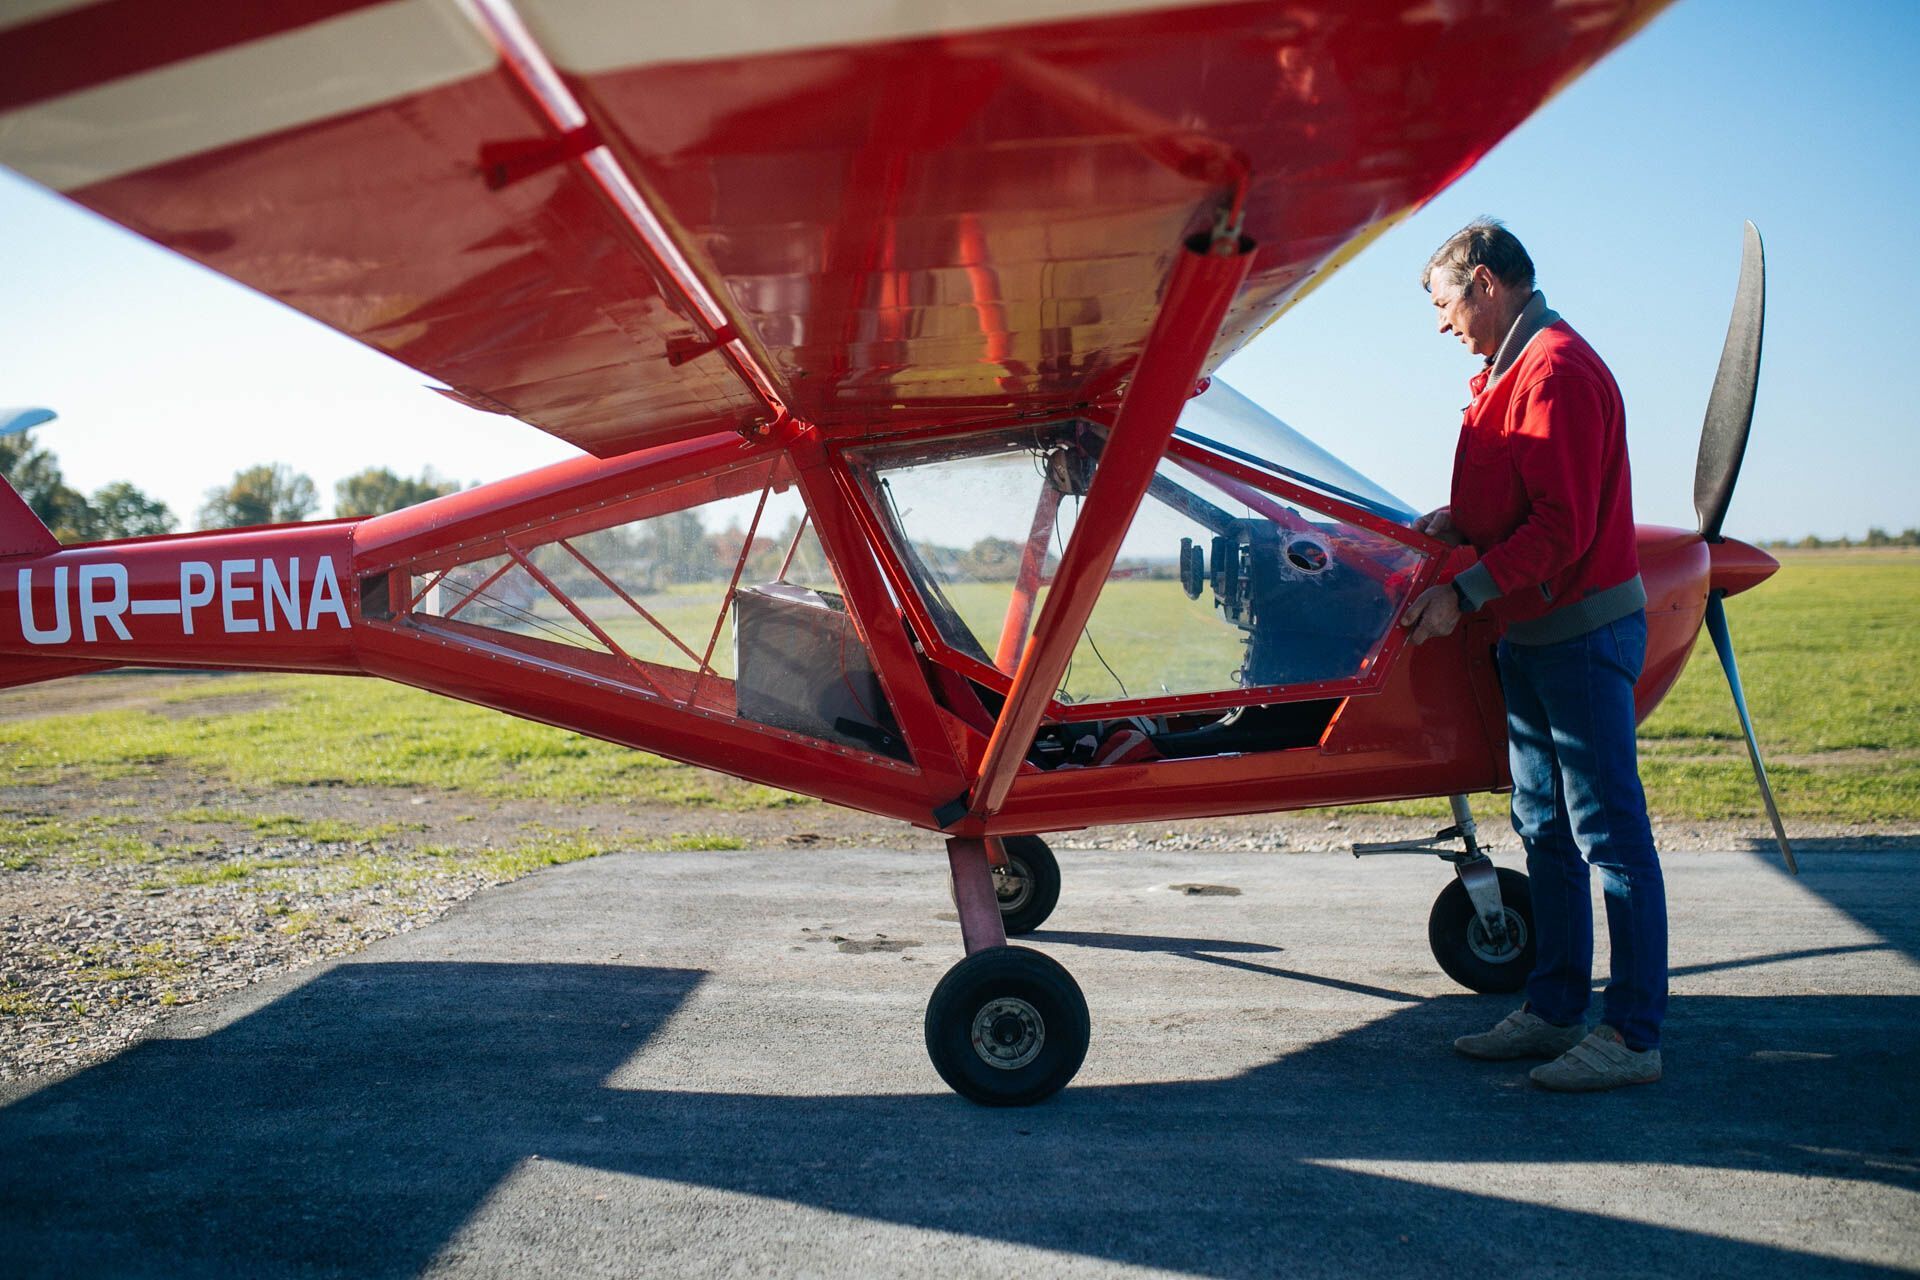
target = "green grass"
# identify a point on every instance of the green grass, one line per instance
(550, 848)
(28, 840)
(541, 846)
(1826, 655)
(1822, 649)
(232, 871)
(688, 610)
(330, 730)
(1144, 640)
(102, 964)
(286, 826)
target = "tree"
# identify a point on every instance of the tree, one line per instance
(117, 511)
(992, 559)
(266, 494)
(35, 475)
(122, 511)
(674, 546)
(377, 491)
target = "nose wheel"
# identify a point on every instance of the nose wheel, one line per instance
(1476, 954)
(1481, 927)
(1007, 1027)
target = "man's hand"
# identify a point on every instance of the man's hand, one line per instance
(1438, 524)
(1435, 613)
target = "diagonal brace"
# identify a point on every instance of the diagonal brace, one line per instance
(1205, 281)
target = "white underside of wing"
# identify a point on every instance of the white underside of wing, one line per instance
(592, 36)
(250, 90)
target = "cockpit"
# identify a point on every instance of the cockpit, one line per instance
(1257, 570)
(1254, 588)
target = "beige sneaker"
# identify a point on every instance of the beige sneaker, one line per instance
(1601, 1061)
(1521, 1035)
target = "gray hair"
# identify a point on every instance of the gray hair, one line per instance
(1482, 242)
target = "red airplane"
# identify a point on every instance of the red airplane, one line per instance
(881, 328)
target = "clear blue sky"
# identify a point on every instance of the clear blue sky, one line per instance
(1628, 189)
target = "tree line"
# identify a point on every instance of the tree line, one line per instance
(1876, 537)
(273, 493)
(270, 493)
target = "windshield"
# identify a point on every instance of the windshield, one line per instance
(1217, 586)
(1225, 421)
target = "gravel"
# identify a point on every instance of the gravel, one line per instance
(92, 956)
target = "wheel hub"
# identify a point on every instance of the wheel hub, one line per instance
(1497, 953)
(1013, 885)
(1008, 1033)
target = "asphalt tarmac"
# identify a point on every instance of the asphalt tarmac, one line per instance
(711, 1064)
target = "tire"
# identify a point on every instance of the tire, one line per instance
(1459, 941)
(1007, 1027)
(1029, 889)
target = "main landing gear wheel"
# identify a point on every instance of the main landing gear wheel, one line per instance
(1007, 1027)
(1462, 946)
(1028, 886)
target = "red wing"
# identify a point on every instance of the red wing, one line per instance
(336, 165)
(903, 221)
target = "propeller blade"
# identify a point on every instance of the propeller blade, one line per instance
(1723, 436)
(1723, 645)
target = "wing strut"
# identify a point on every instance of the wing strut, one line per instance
(1205, 280)
(577, 142)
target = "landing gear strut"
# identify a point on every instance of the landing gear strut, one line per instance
(1481, 926)
(1007, 1026)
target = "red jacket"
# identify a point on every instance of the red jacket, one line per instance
(1541, 488)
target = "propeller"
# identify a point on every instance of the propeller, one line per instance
(1723, 444)
(1723, 436)
(1723, 645)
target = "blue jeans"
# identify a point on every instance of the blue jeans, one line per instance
(1577, 801)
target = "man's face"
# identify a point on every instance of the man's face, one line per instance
(1469, 312)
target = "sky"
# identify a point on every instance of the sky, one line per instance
(1628, 189)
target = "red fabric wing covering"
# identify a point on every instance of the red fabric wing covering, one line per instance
(905, 224)
(378, 220)
(954, 225)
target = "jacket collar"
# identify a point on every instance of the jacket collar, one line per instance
(1533, 317)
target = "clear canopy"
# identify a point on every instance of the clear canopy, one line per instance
(1217, 586)
(1225, 421)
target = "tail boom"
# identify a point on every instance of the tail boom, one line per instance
(278, 598)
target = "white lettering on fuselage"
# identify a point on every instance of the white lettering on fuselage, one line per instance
(251, 595)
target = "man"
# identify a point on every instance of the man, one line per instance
(1541, 491)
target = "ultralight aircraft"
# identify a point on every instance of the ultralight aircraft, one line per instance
(886, 330)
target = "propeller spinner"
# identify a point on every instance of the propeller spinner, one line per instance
(1723, 444)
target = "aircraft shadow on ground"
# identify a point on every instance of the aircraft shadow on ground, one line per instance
(355, 1124)
(1856, 876)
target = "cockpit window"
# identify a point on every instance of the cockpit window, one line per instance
(962, 516)
(1218, 585)
(1225, 421)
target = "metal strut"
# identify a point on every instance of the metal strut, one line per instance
(1205, 281)
(971, 862)
(1460, 845)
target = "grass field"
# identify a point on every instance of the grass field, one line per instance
(1826, 655)
(1823, 649)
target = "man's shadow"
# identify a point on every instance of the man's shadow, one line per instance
(355, 1124)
